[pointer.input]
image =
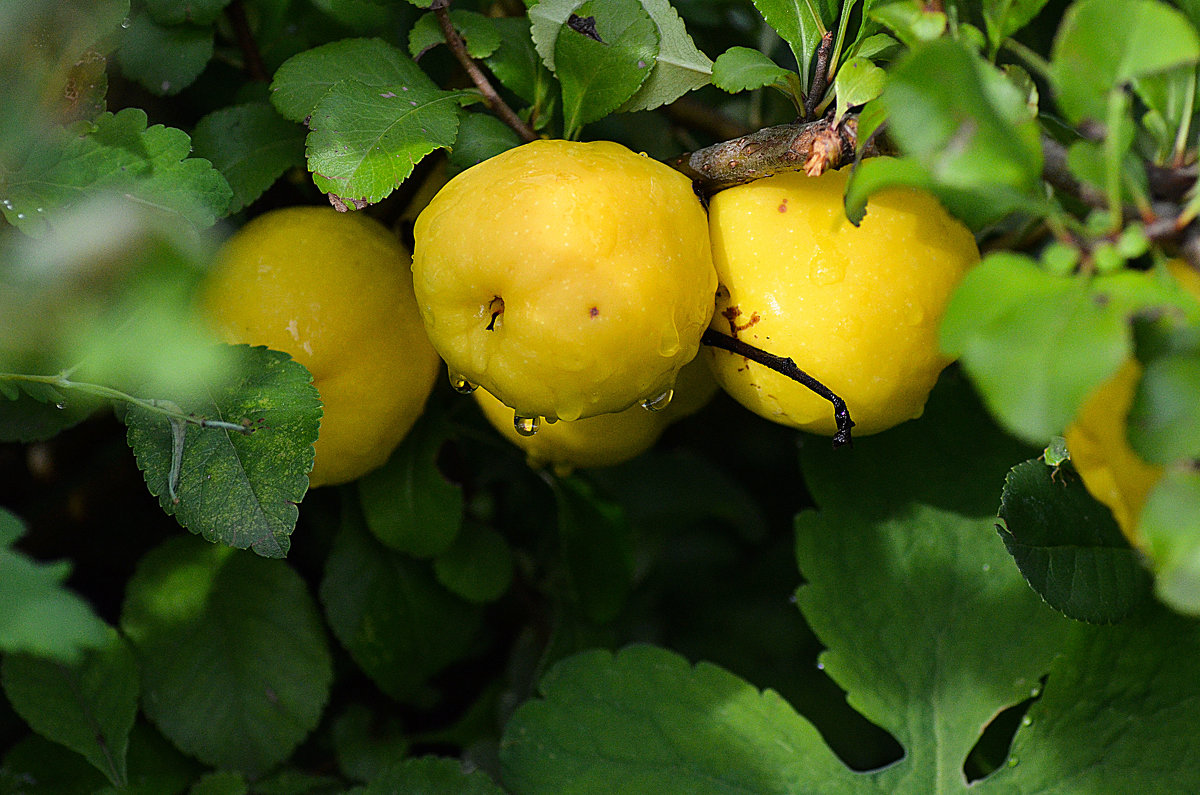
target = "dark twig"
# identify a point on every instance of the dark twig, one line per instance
(787, 367)
(820, 80)
(495, 103)
(251, 57)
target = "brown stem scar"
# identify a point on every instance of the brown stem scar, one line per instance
(497, 311)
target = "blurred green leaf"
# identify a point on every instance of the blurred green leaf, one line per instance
(409, 505)
(1092, 56)
(1170, 523)
(478, 566)
(1164, 426)
(1035, 345)
(679, 67)
(221, 782)
(172, 12)
(26, 418)
(251, 145)
(858, 81)
(912, 21)
(88, 706)
(432, 776)
(365, 744)
(1068, 546)
(38, 766)
(1003, 18)
(480, 136)
(235, 665)
(365, 141)
(165, 59)
(41, 617)
(800, 23)
(390, 614)
(478, 32)
(238, 489)
(305, 78)
(743, 69)
(597, 547)
(598, 76)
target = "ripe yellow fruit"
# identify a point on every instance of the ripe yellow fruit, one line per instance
(605, 439)
(567, 279)
(857, 308)
(333, 290)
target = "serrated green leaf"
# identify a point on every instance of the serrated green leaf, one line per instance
(409, 505)
(479, 33)
(645, 720)
(1035, 345)
(89, 706)
(173, 12)
(366, 140)
(390, 614)
(547, 19)
(1068, 546)
(1164, 426)
(1170, 523)
(801, 24)
(238, 489)
(305, 78)
(251, 145)
(858, 81)
(597, 547)
(235, 666)
(516, 63)
(743, 69)
(432, 776)
(164, 58)
(478, 566)
(597, 77)
(1092, 57)
(480, 136)
(679, 66)
(41, 617)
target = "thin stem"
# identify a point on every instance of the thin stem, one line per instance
(786, 366)
(251, 57)
(494, 102)
(820, 79)
(1181, 135)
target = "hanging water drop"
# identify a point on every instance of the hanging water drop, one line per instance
(125, 23)
(60, 406)
(1026, 721)
(526, 426)
(460, 384)
(659, 402)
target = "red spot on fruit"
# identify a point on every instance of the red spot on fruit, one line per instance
(594, 312)
(783, 206)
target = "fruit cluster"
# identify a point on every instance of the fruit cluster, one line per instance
(572, 283)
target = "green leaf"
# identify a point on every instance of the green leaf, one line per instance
(597, 547)
(1164, 426)
(365, 744)
(477, 31)
(26, 418)
(743, 69)
(88, 706)
(41, 617)
(857, 82)
(1035, 345)
(1003, 18)
(366, 139)
(239, 489)
(117, 155)
(305, 78)
(1068, 546)
(432, 776)
(516, 63)
(1091, 57)
(409, 505)
(251, 145)
(1170, 523)
(164, 58)
(235, 665)
(911, 20)
(478, 566)
(645, 720)
(598, 76)
(221, 782)
(390, 614)
(801, 24)
(480, 136)
(679, 67)
(172, 12)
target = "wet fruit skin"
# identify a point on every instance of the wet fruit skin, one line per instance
(567, 279)
(605, 439)
(334, 291)
(856, 308)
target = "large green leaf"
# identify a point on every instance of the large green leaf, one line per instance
(1170, 523)
(165, 58)
(251, 145)
(679, 66)
(235, 665)
(597, 547)
(742, 69)
(432, 776)
(800, 23)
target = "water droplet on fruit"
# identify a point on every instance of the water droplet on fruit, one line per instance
(526, 426)
(460, 384)
(915, 316)
(550, 420)
(660, 401)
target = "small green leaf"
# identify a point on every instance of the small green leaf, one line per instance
(480, 136)
(1003, 18)
(239, 489)
(1170, 523)
(679, 67)
(743, 69)
(598, 76)
(366, 139)
(478, 566)
(41, 617)
(432, 776)
(597, 547)
(1035, 345)
(305, 78)
(911, 20)
(857, 82)
(164, 58)
(801, 24)
(479, 33)
(645, 720)
(235, 666)
(1068, 546)
(1091, 56)
(251, 145)
(1164, 426)
(409, 505)
(390, 614)
(88, 706)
